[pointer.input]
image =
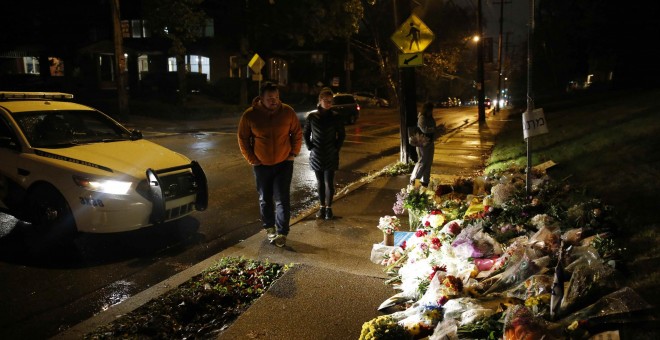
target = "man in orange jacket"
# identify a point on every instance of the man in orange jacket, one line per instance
(270, 137)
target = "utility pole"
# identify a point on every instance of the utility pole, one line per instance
(530, 99)
(480, 68)
(120, 62)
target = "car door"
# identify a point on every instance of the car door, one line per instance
(9, 151)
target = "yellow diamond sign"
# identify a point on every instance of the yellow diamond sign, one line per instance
(413, 36)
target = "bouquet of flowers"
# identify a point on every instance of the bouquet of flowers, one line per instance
(389, 224)
(383, 327)
(414, 198)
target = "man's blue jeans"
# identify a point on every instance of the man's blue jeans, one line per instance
(274, 188)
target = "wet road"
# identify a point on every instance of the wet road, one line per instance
(45, 293)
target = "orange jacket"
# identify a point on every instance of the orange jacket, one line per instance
(269, 137)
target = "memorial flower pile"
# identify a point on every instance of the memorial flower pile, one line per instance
(507, 264)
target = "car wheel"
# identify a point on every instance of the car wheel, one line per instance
(352, 119)
(48, 211)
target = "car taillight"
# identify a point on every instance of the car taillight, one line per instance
(358, 106)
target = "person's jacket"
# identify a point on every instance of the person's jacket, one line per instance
(268, 137)
(427, 125)
(324, 135)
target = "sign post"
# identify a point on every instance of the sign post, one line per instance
(411, 38)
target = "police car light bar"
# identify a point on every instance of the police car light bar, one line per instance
(35, 95)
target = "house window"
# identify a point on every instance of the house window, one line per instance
(278, 71)
(134, 29)
(209, 31)
(235, 69)
(31, 65)
(143, 65)
(194, 64)
(56, 66)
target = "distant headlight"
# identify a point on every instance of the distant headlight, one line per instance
(104, 186)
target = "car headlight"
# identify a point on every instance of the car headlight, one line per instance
(104, 186)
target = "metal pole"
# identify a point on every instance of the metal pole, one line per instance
(499, 59)
(480, 68)
(530, 100)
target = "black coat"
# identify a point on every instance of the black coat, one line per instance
(324, 135)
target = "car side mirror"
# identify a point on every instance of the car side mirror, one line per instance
(136, 134)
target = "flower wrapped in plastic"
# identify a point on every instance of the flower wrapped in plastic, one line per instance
(421, 319)
(467, 310)
(623, 305)
(416, 198)
(473, 242)
(515, 273)
(533, 286)
(521, 324)
(394, 257)
(502, 194)
(587, 283)
(452, 228)
(546, 240)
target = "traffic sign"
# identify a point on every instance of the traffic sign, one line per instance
(411, 59)
(256, 63)
(413, 35)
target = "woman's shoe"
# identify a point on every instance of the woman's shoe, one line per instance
(321, 213)
(328, 213)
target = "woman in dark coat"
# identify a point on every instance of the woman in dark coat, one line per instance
(324, 136)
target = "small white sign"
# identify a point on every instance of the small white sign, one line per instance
(534, 123)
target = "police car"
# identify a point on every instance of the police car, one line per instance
(68, 167)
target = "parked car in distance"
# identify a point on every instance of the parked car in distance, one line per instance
(487, 103)
(346, 105)
(370, 99)
(67, 168)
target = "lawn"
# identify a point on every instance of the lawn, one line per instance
(608, 144)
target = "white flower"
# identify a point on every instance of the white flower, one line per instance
(389, 224)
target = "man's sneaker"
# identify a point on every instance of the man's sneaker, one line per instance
(321, 213)
(271, 233)
(328, 213)
(280, 241)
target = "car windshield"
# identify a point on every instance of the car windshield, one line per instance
(339, 100)
(69, 127)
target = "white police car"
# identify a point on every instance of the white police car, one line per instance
(68, 167)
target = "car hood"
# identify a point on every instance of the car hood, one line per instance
(127, 157)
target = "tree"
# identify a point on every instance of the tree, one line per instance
(182, 22)
(443, 59)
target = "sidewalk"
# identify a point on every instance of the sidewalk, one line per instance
(337, 288)
(334, 287)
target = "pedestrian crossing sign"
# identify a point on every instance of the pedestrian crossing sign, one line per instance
(413, 36)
